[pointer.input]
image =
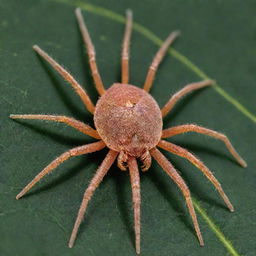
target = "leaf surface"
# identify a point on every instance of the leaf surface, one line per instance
(217, 41)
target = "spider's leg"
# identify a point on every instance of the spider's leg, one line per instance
(91, 52)
(199, 129)
(187, 89)
(170, 170)
(68, 77)
(125, 48)
(157, 59)
(177, 150)
(92, 147)
(78, 125)
(101, 172)
(135, 183)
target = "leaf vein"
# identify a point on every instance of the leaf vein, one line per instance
(215, 229)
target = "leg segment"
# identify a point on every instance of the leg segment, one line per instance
(79, 90)
(187, 89)
(157, 59)
(91, 52)
(135, 183)
(126, 45)
(73, 152)
(80, 126)
(170, 170)
(101, 172)
(198, 129)
(199, 164)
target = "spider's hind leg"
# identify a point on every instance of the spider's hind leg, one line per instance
(101, 172)
(55, 163)
(135, 184)
(170, 170)
(177, 150)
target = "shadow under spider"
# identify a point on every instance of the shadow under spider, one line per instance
(121, 179)
(181, 105)
(196, 190)
(166, 191)
(57, 181)
(202, 195)
(165, 188)
(194, 148)
(70, 173)
(62, 139)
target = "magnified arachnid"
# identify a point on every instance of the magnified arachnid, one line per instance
(129, 122)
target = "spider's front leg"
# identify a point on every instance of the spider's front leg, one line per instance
(78, 125)
(178, 95)
(68, 77)
(125, 48)
(91, 52)
(157, 60)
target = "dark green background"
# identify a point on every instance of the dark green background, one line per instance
(218, 36)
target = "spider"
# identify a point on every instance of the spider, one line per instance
(130, 123)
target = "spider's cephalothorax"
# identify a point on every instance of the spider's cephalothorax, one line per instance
(121, 116)
(129, 122)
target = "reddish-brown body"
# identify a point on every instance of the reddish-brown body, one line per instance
(128, 119)
(129, 122)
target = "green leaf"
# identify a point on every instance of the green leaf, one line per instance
(217, 41)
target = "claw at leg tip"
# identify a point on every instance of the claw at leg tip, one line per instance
(243, 164)
(15, 116)
(35, 47)
(212, 82)
(177, 32)
(78, 10)
(201, 241)
(70, 243)
(128, 11)
(21, 194)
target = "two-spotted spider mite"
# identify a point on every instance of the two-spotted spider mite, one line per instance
(129, 122)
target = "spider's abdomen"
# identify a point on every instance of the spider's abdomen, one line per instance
(128, 119)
